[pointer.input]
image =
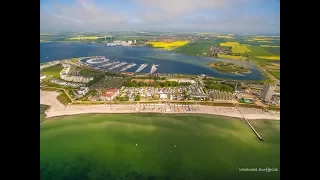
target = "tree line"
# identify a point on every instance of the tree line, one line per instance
(156, 84)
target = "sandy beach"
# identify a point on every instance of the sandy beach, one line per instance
(58, 109)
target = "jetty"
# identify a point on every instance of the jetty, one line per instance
(141, 67)
(128, 67)
(118, 65)
(153, 68)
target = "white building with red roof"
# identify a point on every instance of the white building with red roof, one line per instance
(110, 94)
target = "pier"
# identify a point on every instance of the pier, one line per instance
(141, 67)
(153, 68)
(109, 64)
(257, 134)
(128, 67)
(118, 65)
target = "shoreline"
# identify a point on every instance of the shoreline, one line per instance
(57, 109)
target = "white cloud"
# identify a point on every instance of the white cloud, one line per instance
(221, 15)
(84, 14)
(183, 6)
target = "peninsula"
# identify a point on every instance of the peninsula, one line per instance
(229, 68)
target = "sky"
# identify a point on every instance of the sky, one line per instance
(230, 16)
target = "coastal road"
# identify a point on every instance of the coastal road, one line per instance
(277, 81)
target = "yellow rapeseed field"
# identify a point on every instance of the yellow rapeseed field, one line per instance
(231, 57)
(269, 57)
(236, 47)
(227, 37)
(230, 44)
(167, 45)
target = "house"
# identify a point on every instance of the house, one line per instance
(163, 96)
(110, 94)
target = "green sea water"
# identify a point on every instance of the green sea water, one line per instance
(140, 146)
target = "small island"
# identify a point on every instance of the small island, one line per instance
(229, 68)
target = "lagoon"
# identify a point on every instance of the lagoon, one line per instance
(168, 61)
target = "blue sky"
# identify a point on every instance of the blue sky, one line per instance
(232, 16)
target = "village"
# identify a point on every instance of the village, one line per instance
(156, 87)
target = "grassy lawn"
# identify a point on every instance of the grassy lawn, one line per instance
(63, 98)
(138, 146)
(53, 71)
(88, 72)
(74, 60)
(43, 108)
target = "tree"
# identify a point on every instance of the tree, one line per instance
(137, 98)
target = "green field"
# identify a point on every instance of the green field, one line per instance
(273, 50)
(198, 47)
(259, 51)
(275, 74)
(126, 146)
(53, 71)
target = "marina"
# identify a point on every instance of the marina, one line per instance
(141, 67)
(153, 68)
(109, 64)
(97, 60)
(118, 65)
(128, 67)
(144, 55)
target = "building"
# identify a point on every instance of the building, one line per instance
(198, 96)
(134, 41)
(182, 80)
(267, 92)
(42, 77)
(171, 97)
(82, 91)
(163, 96)
(64, 75)
(127, 73)
(110, 94)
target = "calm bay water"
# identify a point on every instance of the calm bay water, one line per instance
(169, 62)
